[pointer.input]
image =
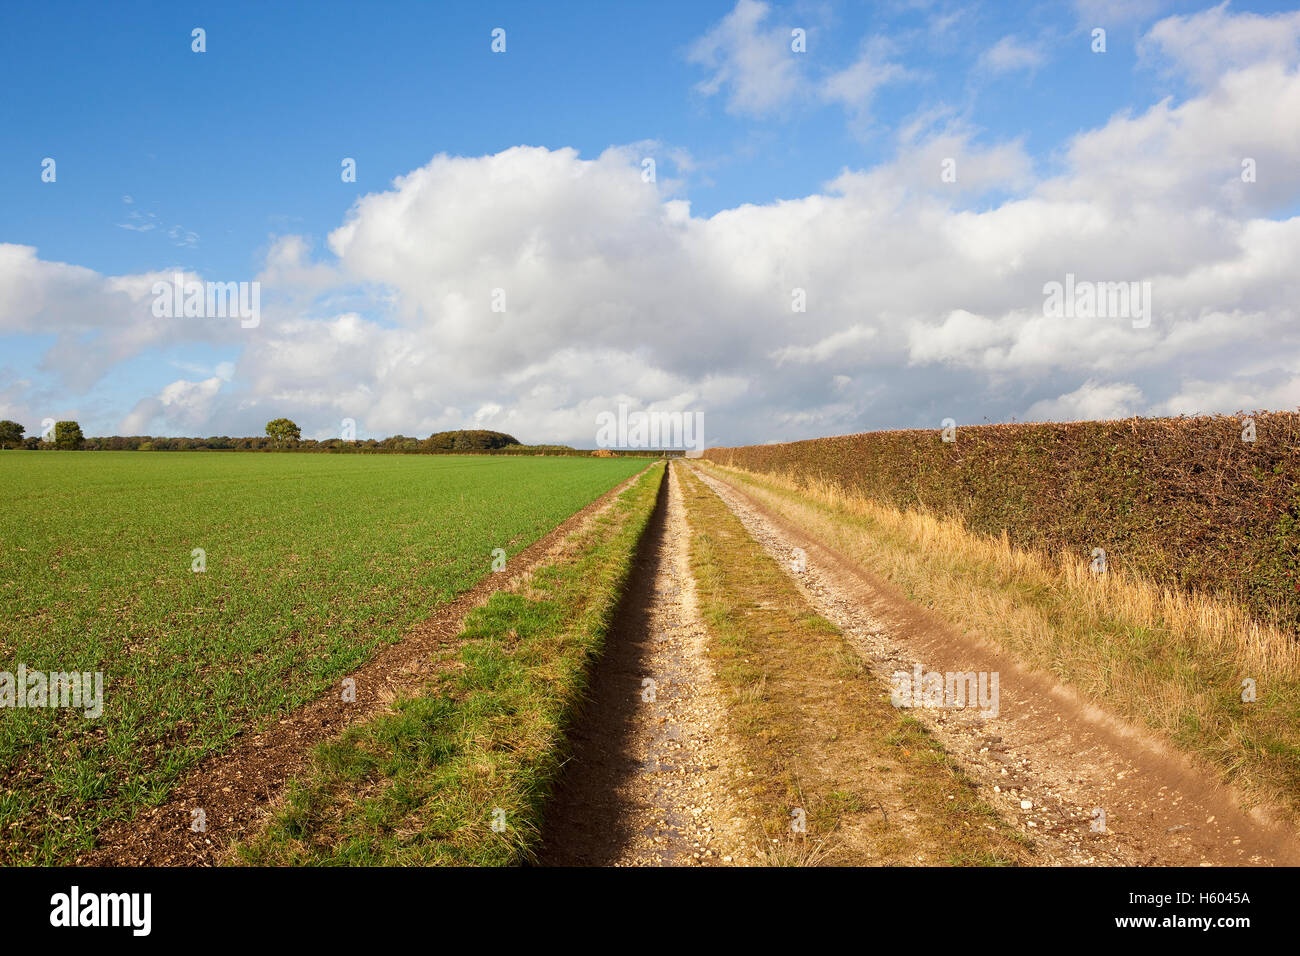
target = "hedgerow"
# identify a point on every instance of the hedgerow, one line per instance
(1188, 502)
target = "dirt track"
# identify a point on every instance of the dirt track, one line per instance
(1045, 747)
(651, 778)
(654, 779)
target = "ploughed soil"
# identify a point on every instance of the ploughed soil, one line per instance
(1086, 787)
(235, 789)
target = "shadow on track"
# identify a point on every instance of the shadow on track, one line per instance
(588, 820)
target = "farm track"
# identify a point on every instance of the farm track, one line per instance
(1045, 747)
(654, 780)
(236, 789)
(651, 782)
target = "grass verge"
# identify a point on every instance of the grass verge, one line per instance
(458, 774)
(1172, 660)
(817, 730)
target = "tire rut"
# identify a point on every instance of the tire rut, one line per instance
(651, 777)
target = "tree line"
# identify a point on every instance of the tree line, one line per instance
(283, 435)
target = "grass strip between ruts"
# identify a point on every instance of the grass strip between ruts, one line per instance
(840, 776)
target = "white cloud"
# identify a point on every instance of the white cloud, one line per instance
(182, 406)
(138, 221)
(958, 337)
(1237, 393)
(839, 346)
(1010, 54)
(1207, 45)
(855, 86)
(751, 60)
(752, 64)
(1110, 13)
(924, 297)
(183, 237)
(98, 321)
(1091, 401)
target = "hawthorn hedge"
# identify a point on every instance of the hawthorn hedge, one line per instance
(1187, 502)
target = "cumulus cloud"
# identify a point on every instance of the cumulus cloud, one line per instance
(532, 289)
(182, 406)
(1272, 389)
(1091, 401)
(98, 321)
(1206, 46)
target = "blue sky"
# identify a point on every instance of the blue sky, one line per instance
(244, 141)
(169, 159)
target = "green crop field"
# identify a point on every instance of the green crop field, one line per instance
(311, 562)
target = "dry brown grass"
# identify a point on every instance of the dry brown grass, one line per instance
(1175, 660)
(796, 853)
(816, 728)
(1181, 501)
(1214, 626)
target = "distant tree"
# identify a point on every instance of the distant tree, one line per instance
(467, 440)
(11, 434)
(282, 432)
(67, 436)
